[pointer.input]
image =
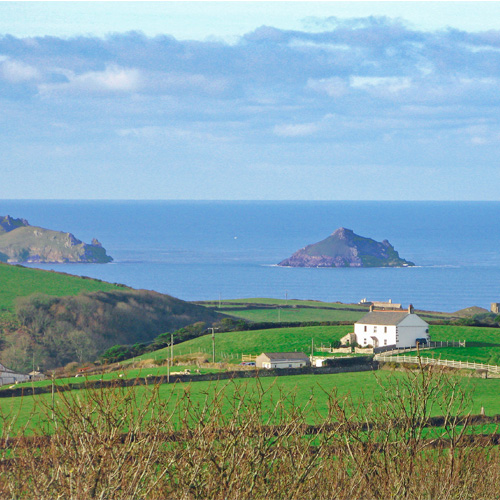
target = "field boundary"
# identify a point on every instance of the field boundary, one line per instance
(437, 362)
(342, 365)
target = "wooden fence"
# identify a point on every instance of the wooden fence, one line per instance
(446, 343)
(248, 358)
(439, 362)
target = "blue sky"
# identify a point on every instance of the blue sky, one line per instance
(250, 100)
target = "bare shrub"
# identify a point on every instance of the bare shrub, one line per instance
(240, 440)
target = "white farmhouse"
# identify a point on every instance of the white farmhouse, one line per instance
(282, 360)
(390, 328)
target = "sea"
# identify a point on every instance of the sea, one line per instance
(211, 250)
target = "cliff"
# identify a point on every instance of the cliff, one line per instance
(20, 242)
(344, 248)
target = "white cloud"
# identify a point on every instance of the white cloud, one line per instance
(158, 132)
(296, 130)
(113, 79)
(17, 72)
(390, 83)
(193, 81)
(334, 87)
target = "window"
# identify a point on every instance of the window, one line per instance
(385, 329)
(364, 341)
(374, 329)
(365, 328)
(385, 341)
(289, 366)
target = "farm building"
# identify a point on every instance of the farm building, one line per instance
(390, 328)
(282, 360)
(8, 376)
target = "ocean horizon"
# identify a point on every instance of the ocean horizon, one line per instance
(203, 250)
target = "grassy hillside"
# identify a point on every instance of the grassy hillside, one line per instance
(49, 319)
(230, 345)
(18, 281)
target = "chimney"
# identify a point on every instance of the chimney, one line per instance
(371, 307)
(410, 309)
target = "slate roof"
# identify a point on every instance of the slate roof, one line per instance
(285, 355)
(382, 318)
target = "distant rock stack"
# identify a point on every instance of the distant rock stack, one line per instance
(20, 243)
(344, 248)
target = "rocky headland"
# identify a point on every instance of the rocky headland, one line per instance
(344, 248)
(22, 243)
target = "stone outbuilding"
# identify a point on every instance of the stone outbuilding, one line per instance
(282, 360)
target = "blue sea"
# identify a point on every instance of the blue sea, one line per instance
(202, 250)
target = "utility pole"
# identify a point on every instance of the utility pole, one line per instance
(279, 314)
(286, 297)
(171, 348)
(213, 343)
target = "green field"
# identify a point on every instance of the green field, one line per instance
(290, 315)
(282, 311)
(472, 334)
(482, 344)
(17, 281)
(366, 387)
(282, 302)
(229, 346)
(157, 371)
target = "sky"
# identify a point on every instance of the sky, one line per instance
(250, 100)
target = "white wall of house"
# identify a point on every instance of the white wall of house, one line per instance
(284, 364)
(263, 361)
(410, 329)
(404, 334)
(384, 334)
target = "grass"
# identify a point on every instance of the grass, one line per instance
(294, 315)
(361, 386)
(157, 371)
(281, 310)
(472, 334)
(283, 302)
(17, 281)
(482, 344)
(486, 355)
(230, 345)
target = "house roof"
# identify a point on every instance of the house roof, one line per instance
(285, 355)
(382, 318)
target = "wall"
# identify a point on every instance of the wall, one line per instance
(411, 328)
(11, 378)
(380, 334)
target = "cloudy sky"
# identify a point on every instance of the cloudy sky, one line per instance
(250, 100)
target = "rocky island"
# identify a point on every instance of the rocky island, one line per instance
(22, 243)
(344, 248)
